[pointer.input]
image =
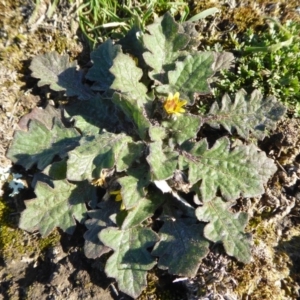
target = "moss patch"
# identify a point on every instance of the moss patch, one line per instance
(15, 242)
(236, 20)
(161, 287)
(268, 275)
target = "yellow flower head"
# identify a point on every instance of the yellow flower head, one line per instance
(118, 197)
(173, 105)
(117, 193)
(99, 181)
(105, 173)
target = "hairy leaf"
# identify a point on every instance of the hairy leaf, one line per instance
(56, 70)
(85, 127)
(135, 112)
(164, 45)
(102, 59)
(190, 76)
(96, 112)
(100, 219)
(256, 115)
(189, 28)
(184, 127)
(105, 150)
(87, 192)
(127, 79)
(131, 192)
(132, 44)
(131, 260)
(54, 207)
(48, 66)
(71, 81)
(40, 145)
(162, 161)
(44, 116)
(181, 247)
(57, 170)
(133, 186)
(226, 227)
(241, 171)
(222, 60)
(157, 133)
(144, 209)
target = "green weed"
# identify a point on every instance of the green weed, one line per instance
(268, 61)
(100, 19)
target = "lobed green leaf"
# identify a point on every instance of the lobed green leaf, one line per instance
(97, 112)
(39, 145)
(162, 161)
(144, 209)
(57, 170)
(135, 112)
(127, 79)
(99, 219)
(226, 227)
(56, 70)
(190, 29)
(164, 45)
(222, 61)
(256, 115)
(157, 133)
(184, 128)
(133, 186)
(181, 247)
(54, 207)
(105, 150)
(190, 76)
(44, 116)
(132, 44)
(131, 260)
(103, 58)
(242, 171)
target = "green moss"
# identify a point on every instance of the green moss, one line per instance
(246, 17)
(158, 289)
(15, 242)
(152, 281)
(206, 4)
(249, 15)
(266, 277)
(49, 241)
(61, 43)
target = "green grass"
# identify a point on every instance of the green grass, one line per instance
(100, 19)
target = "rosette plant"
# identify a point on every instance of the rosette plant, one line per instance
(131, 132)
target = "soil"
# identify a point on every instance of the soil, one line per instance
(56, 267)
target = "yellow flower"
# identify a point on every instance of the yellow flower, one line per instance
(118, 197)
(104, 174)
(173, 105)
(99, 181)
(117, 193)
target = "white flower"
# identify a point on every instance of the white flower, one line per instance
(16, 184)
